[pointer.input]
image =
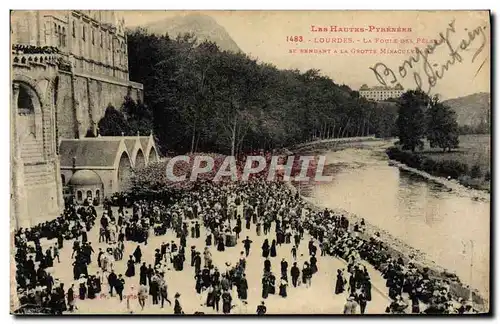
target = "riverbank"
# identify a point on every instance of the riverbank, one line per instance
(451, 184)
(398, 248)
(331, 143)
(469, 174)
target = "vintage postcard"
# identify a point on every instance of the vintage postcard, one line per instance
(250, 162)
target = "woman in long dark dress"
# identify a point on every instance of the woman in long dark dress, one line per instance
(130, 267)
(265, 287)
(306, 272)
(362, 302)
(199, 282)
(265, 249)
(138, 254)
(339, 284)
(267, 266)
(177, 305)
(314, 267)
(91, 288)
(49, 261)
(82, 291)
(220, 244)
(143, 271)
(273, 249)
(243, 288)
(226, 302)
(71, 298)
(272, 284)
(368, 289)
(283, 285)
(208, 240)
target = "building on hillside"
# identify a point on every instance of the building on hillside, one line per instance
(66, 68)
(380, 93)
(94, 168)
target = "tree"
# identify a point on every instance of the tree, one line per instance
(475, 172)
(90, 133)
(113, 123)
(442, 126)
(411, 122)
(138, 117)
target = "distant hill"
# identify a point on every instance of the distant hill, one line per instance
(202, 26)
(471, 110)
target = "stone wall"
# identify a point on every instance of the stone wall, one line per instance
(41, 194)
(92, 95)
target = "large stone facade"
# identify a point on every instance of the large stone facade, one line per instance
(67, 67)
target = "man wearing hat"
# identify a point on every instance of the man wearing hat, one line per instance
(193, 254)
(177, 305)
(119, 285)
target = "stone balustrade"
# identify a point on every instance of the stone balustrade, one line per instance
(27, 59)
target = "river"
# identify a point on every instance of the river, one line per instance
(423, 214)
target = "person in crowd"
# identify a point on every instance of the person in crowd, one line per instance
(262, 309)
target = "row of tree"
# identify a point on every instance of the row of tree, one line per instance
(200, 98)
(422, 117)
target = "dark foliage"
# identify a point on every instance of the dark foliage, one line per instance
(200, 98)
(445, 168)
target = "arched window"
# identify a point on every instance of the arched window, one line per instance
(74, 29)
(79, 195)
(24, 102)
(27, 102)
(98, 193)
(102, 38)
(93, 37)
(89, 194)
(84, 30)
(63, 179)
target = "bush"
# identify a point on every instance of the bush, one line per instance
(446, 168)
(475, 172)
(429, 165)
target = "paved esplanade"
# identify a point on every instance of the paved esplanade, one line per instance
(317, 299)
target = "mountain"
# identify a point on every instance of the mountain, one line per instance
(202, 26)
(471, 110)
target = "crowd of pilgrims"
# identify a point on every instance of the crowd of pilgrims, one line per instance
(214, 206)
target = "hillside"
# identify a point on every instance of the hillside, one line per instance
(471, 110)
(202, 26)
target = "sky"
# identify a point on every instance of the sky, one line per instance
(269, 36)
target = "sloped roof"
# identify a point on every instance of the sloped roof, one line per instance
(144, 143)
(129, 143)
(89, 152)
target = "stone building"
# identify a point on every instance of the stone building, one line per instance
(381, 93)
(101, 166)
(66, 68)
